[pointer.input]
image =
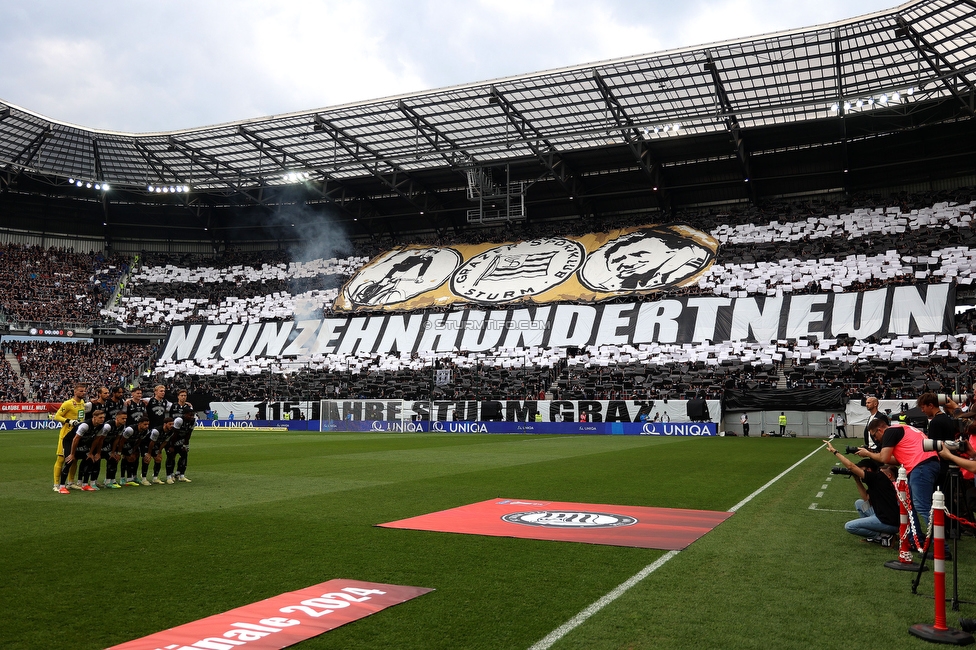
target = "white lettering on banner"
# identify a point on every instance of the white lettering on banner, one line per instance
(29, 425)
(658, 321)
(707, 312)
(301, 344)
(182, 339)
(273, 337)
(210, 341)
(871, 316)
(762, 324)
(441, 332)
(480, 333)
(898, 310)
(397, 427)
(907, 306)
(572, 325)
(239, 341)
(532, 331)
(401, 333)
(328, 335)
(612, 320)
(445, 414)
(458, 427)
(307, 613)
(802, 316)
(361, 334)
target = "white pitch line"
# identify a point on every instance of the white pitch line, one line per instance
(819, 495)
(570, 625)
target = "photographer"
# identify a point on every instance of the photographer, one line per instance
(903, 445)
(878, 505)
(941, 424)
(963, 458)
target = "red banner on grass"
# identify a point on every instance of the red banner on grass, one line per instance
(281, 621)
(662, 528)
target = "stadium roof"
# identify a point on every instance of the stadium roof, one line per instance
(792, 112)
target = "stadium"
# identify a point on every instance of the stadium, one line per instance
(656, 282)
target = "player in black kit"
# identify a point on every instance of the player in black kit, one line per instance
(112, 449)
(135, 410)
(130, 440)
(160, 439)
(83, 445)
(157, 408)
(176, 455)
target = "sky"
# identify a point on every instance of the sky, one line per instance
(138, 66)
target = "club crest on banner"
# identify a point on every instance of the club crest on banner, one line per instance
(569, 519)
(520, 270)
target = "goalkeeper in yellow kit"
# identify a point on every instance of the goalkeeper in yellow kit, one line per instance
(69, 415)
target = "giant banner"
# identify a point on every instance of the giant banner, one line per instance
(586, 268)
(893, 311)
(560, 411)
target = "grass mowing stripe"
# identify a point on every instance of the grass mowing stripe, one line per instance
(621, 589)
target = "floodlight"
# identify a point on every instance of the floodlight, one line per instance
(165, 190)
(88, 185)
(98, 186)
(911, 91)
(79, 183)
(71, 181)
(105, 187)
(835, 108)
(859, 103)
(895, 96)
(884, 99)
(676, 127)
(151, 188)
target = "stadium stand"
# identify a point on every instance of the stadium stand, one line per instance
(53, 285)
(805, 247)
(52, 367)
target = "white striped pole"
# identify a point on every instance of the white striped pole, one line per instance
(904, 561)
(939, 632)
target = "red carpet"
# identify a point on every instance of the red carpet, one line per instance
(662, 528)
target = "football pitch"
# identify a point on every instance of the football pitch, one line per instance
(273, 512)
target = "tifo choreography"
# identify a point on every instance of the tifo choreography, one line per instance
(122, 432)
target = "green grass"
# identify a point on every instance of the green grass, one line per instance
(273, 512)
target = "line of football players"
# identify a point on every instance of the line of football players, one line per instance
(127, 434)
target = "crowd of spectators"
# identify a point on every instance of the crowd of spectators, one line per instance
(11, 385)
(51, 368)
(56, 286)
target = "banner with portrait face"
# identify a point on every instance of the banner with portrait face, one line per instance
(586, 268)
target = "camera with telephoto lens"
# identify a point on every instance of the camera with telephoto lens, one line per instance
(939, 445)
(852, 450)
(841, 470)
(958, 398)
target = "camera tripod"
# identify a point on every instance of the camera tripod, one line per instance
(955, 499)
